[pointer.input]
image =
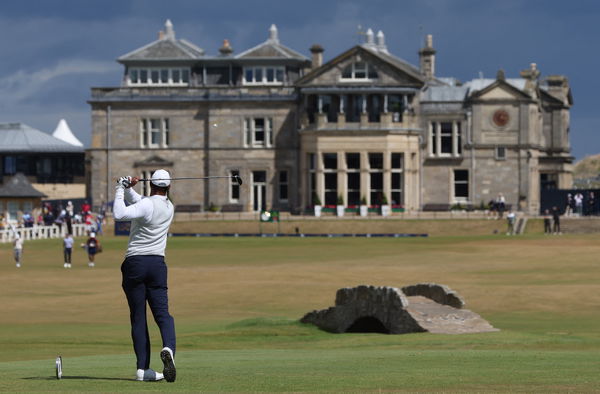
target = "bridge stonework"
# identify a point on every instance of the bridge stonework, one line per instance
(424, 307)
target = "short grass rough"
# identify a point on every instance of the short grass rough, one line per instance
(237, 301)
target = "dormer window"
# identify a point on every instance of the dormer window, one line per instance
(263, 75)
(359, 71)
(159, 77)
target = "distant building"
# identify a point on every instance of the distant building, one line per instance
(17, 196)
(52, 166)
(366, 125)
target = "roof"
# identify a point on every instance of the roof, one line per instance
(271, 48)
(166, 48)
(380, 53)
(394, 60)
(64, 133)
(18, 186)
(18, 137)
(440, 93)
(444, 93)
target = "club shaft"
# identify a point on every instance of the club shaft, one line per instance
(183, 178)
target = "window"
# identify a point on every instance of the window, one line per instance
(13, 210)
(395, 106)
(397, 178)
(159, 76)
(10, 165)
(234, 187)
(154, 133)
(359, 71)
(461, 185)
(330, 172)
(258, 132)
(376, 178)
(267, 75)
(353, 178)
(445, 139)
(283, 185)
(500, 153)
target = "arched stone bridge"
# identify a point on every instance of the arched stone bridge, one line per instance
(424, 307)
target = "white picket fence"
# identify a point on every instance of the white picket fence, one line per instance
(42, 232)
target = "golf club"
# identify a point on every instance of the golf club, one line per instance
(234, 177)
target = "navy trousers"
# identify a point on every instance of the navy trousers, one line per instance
(145, 280)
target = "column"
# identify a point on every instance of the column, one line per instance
(365, 181)
(342, 179)
(320, 178)
(438, 137)
(454, 139)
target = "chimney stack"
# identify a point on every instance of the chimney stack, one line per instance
(169, 32)
(226, 49)
(427, 58)
(317, 55)
(381, 42)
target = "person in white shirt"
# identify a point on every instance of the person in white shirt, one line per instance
(144, 269)
(68, 249)
(18, 249)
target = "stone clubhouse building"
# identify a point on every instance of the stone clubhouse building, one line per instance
(365, 127)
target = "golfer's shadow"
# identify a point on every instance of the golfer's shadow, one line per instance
(75, 378)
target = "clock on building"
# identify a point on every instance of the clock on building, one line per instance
(501, 118)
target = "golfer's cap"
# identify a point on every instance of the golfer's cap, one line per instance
(93, 235)
(161, 178)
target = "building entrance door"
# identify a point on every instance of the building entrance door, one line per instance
(259, 190)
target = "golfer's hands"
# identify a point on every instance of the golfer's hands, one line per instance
(124, 182)
(133, 181)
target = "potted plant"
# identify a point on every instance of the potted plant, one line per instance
(317, 204)
(385, 207)
(364, 208)
(340, 205)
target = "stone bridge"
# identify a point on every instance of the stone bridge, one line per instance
(424, 307)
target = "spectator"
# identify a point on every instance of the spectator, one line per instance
(491, 209)
(556, 220)
(511, 219)
(85, 208)
(68, 249)
(570, 205)
(547, 222)
(500, 205)
(18, 249)
(591, 203)
(578, 204)
(93, 246)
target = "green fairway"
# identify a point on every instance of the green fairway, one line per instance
(237, 301)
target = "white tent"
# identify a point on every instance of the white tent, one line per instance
(64, 133)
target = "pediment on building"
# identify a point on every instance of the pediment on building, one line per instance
(500, 90)
(154, 162)
(380, 68)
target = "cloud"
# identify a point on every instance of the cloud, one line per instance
(23, 85)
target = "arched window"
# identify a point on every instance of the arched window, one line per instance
(361, 71)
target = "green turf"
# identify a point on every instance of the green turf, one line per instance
(237, 303)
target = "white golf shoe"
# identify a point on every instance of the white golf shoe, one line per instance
(169, 372)
(91, 265)
(148, 375)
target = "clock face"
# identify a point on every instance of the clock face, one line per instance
(501, 118)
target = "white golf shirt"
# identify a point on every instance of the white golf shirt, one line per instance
(150, 220)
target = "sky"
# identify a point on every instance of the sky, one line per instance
(54, 51)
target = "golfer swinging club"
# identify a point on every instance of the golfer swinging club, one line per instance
(144, 269)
